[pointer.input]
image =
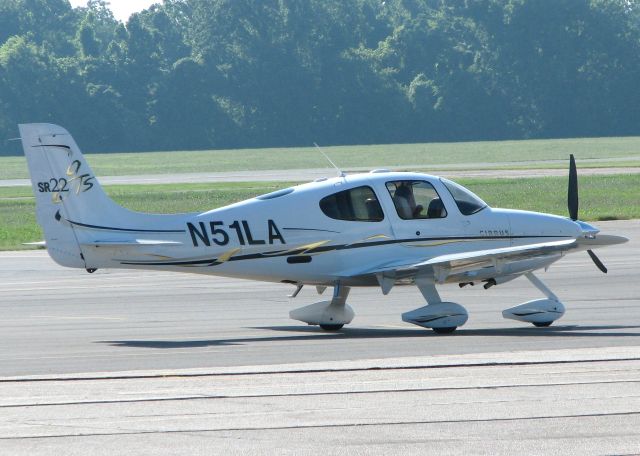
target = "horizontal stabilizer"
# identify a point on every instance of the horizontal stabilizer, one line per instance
(130, 243)
(41, 244)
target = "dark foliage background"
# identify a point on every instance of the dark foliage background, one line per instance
(191, 74)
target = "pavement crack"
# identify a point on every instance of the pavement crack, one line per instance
(310, 394)
(319, 371)
(326, 426)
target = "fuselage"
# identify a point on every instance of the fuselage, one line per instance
(321, 231)
(376, 229)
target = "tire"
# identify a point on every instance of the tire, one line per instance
(543, 324)
(447, 330)
(331, 327)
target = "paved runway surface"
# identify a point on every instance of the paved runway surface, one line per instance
(160, 363)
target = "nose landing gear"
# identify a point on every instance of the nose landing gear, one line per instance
(540, 312)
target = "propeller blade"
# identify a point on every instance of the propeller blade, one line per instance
(572, 197)
(597, 261)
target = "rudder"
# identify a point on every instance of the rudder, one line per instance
(65, 189)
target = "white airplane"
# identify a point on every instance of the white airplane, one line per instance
(375, 229)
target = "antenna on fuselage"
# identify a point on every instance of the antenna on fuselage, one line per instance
(340, 172)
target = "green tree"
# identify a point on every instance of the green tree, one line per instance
(240, 73)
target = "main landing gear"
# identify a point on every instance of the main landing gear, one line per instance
(442, 317)
(329, 315)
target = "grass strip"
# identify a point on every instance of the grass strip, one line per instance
(608, 152)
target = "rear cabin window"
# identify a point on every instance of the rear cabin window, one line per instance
(358, 204)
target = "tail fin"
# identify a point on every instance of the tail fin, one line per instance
(65, 189)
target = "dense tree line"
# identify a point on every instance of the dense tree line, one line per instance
(189, 74)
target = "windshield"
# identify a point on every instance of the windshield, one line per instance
(467, 202)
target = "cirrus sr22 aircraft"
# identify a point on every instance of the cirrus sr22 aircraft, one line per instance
(375, 229)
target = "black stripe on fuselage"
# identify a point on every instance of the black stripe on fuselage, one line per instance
(324, 249)
(53, 145)
(309, 229)
(128, 230)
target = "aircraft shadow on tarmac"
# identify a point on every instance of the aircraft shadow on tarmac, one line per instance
(314, 333)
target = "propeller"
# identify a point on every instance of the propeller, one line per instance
(597, 261)
(573, 189)
(573, 203)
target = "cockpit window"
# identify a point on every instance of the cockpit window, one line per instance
(467, 202)
(416, 200)
(357, 205)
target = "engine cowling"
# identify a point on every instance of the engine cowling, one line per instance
(538, 311)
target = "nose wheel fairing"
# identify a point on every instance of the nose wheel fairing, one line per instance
(540, 312)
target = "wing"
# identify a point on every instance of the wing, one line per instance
(469, 266)
(506, 263)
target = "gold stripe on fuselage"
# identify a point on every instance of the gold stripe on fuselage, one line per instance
(225, 256)
(453, 241)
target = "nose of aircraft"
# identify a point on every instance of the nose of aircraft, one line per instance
(587, 230)
(536, 224)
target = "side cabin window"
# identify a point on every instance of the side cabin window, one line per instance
(358, 204)
(416, 200)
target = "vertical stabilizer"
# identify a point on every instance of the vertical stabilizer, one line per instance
(65, 189)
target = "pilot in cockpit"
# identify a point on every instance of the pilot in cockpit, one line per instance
(405, 201)
(416, 200)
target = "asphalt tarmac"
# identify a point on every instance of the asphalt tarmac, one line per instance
(160, 363)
